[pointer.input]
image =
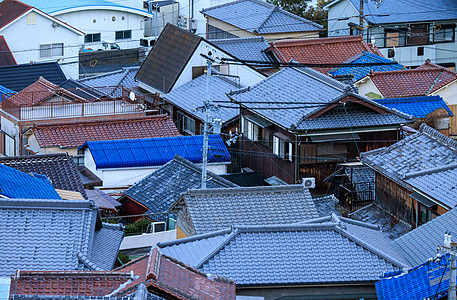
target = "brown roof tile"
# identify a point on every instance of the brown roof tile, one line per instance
(166, 276)
(334, 50)
(74, 134)
(6, 57)
(10, 10)
(417, 82)
(40, 91)
(62, 283)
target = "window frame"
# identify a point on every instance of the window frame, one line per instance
(123, 32)
(444, 26)
(92, 35)
(50, 50)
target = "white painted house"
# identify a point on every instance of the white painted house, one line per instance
(156, 75)
(34, 36)
(120, 22)
(407, 31)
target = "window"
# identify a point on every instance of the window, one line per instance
(395, 38)
(93, 37)
(444, 33)
(290, 153)
(420, 51)
(418, 34)
(189, 125)
(251, 130)
(279, 147)
(123, 35)
(31, 18)
(51, 50)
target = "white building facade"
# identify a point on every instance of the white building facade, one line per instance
(38, 37)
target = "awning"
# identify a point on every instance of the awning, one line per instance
(424, 200)
(335, 137)
(258, 121)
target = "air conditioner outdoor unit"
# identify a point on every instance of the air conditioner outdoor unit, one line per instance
(309, 183)
(157, 227)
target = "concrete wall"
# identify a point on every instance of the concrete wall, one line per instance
(104, 24)
(24, 41)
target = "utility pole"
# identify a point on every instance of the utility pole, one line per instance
(450, 248)
(206, 105)
(361, 17)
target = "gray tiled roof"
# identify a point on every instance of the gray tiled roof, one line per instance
(293, 254)
(260, 17)
(215, 209)
(426, 149)
(51, 235)
(59, 168)
(420, 244)
(125, 77)
(245, 48)
(106, 245)
(438, 183)
(191, 95)
(326, 205)
(159, 190)
(309, 91)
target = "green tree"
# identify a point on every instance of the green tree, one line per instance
(300, 8)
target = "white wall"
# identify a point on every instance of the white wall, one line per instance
(12, 130)
(25, 40)
(248, 76)
(104, 24)
(342, 9)
(449, 94)
(184, 6)
(366, 86)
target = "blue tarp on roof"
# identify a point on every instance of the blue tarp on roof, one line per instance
(419, 107)
(20, 185)
(155, 151)
(421, 282)
(4, 90)
(361, 71)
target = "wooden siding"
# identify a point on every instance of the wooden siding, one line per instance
(453, 120)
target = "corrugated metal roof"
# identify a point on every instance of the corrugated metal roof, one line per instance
(17, 184)
(124, 77)
(155, 151)
(418, 107)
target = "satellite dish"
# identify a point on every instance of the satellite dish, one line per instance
(132, 96)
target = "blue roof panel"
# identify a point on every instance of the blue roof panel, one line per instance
(4, 90)
(155, 151)
(361, 71)
(418, 107)
(427, 280)
(20, 185)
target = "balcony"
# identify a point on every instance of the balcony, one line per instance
(86, 102)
